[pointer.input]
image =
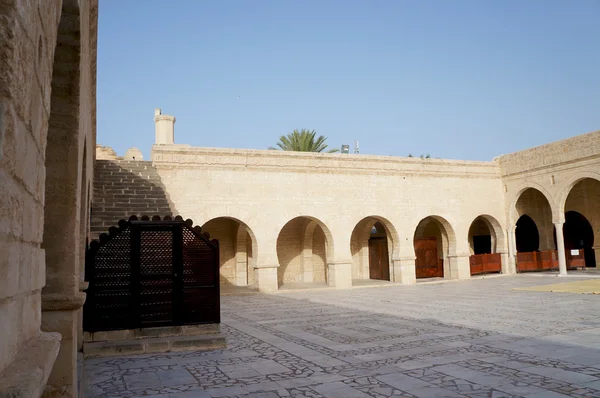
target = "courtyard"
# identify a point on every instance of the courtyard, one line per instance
(483, 337)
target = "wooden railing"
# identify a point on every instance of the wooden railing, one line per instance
(548, 260)
(485, 263)
(537, 261)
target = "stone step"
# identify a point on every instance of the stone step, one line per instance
(203, 342)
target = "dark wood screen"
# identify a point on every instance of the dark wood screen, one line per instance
(149, 273)
(485, 263)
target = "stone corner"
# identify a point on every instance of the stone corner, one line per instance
(27, 375)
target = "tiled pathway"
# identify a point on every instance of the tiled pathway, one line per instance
(476, 338)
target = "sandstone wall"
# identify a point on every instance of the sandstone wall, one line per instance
(267, 189)
(27, 42)
(47, 128)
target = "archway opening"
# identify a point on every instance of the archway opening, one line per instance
(237, 250)
(432, 245)
(582, 224)
(527, 235)
(579, 241)
(483, 242)
(536, 249)
(302, 250)
(372, 245)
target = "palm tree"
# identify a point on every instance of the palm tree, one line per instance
(303, 141)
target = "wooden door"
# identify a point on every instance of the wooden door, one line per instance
(427, 263)
(379, 266)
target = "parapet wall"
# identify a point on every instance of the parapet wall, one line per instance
(574, 149)
(186, 156)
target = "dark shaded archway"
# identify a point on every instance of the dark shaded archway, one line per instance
(527, 235)
(579, 237)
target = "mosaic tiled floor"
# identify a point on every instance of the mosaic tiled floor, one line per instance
(477, 338)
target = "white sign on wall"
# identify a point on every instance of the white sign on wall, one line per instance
(575, 252)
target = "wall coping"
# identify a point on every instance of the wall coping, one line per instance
(28, 374)
(183, 156)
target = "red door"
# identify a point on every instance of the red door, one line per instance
(427, 264)
(379, 266)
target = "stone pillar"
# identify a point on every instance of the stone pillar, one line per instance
(596, 250)
(511, 265)
(241, 268)
(560, 247)
(460, 267)
(164, 128)
(307, 265)
(339, 274)
(61, 313)
(404, 270)
(266, 278)
(507, 266)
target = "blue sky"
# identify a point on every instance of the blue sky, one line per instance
(458, 79)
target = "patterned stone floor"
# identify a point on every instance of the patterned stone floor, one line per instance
(477, 338)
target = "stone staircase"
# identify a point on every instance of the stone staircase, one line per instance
(123, 188)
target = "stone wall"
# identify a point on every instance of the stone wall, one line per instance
(28, 38)
(267, 189)
(47, 122)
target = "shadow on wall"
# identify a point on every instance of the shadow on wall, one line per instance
(125, 188)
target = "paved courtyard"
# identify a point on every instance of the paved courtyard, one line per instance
(476, 338)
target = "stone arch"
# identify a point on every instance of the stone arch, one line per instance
(238, 249)
(438, 228)
(498, 244)
(304, 248)
(582, 195)
(513, 217)
(536, 205)
(359, 245)
(570, 184)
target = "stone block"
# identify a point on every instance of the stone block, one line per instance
(31, 315)
(339, 275)
(9, 266)
(266, 279)
(11, 319)
(11, 206)
(33, 220)
(26, 376)
(63, 322)
(157, 346)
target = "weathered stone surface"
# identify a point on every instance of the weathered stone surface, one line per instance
(26, 376)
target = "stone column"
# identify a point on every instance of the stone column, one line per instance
(560, 247)
(511, 265)
(266, 278)
(404, 271)
(339, 274)
(460, 267)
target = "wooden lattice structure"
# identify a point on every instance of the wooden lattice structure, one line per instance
(150, 273)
